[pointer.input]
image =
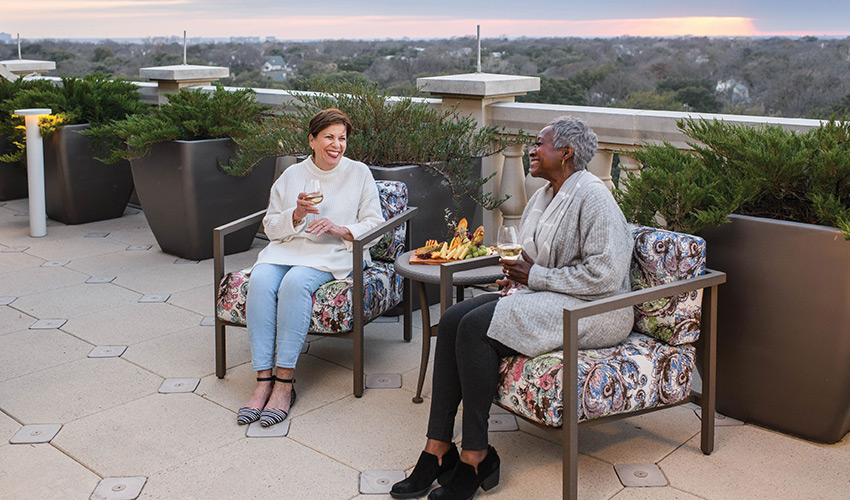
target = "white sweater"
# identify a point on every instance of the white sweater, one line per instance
(350, 200)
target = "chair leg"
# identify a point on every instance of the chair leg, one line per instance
(220, 352)
(358, 360)
(709, 369)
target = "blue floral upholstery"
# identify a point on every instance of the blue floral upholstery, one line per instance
(639, 373)
(662, 257)
(653, 367)
(332, 310)
(332, 302)
(393, 202)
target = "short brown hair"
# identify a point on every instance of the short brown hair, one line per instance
(327, 117)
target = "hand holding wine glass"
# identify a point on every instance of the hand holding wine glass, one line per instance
(507, 244)
(314, 191)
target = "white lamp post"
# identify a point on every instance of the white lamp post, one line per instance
(35, 170)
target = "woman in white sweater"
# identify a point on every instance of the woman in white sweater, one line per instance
(576, 246)
(309, 245)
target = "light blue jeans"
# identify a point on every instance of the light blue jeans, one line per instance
(278, 309)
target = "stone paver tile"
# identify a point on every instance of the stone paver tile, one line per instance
(410, 378)
(531, 468)
(39, 279)
(256, 468)
(318, 383)
(166, 278)
(395, 428)
(29, 351)
(16, 261)
(43, 472)
(131, 323)
(151, 434)
(64, 243)
(75, 300)
(642, 439)
(117, 263)
(12, 320)
(8, 428)
(199, 300)
(381, 355)
(665, 493)
(187, 353)
(70, 391)
(765, 465)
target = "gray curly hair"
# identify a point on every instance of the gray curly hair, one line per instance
(569, 131)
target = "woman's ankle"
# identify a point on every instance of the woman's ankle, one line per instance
(438, 448)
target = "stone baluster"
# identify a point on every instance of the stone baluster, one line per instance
(600, 166)
(512, 184)
(628, 165)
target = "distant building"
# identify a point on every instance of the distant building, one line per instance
(244, 39)
(275, 68)
(271, 39)
(5, 38)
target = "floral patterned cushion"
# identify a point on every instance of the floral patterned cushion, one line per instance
(662, 257)
(639, 373)
(393, 202)
(332, 311)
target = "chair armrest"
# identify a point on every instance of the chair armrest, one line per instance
(218, 241)
(387, 225)
(448, 270)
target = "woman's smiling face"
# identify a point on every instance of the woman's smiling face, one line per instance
(329, 146)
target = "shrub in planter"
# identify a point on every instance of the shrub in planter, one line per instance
(176, 152)
(393, 135)
(13, 169)
(79, 188)
(784, 313)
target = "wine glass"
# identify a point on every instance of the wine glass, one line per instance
(507, 244)
(314, 191)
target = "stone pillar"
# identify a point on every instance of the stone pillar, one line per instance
(170, 79)
(600, 166)
(472, 93)
(16, 68)
(513, 184)
(628, 165)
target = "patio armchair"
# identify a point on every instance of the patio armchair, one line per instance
(675, 302)
(341, 308)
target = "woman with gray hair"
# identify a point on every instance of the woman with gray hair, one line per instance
(576, 247)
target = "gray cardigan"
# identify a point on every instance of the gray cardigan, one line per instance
(589, 259)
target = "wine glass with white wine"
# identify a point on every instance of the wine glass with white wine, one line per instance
(314, 191)
(506, 243)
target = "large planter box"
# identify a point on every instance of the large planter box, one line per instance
(432, 197)
(13, 176)
(783, 335)
(78, 188)
(430, 194)
(184, 195)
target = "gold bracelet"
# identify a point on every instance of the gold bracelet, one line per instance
(297, 222)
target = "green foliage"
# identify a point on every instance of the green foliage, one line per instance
(93, 99)
(763, 171)
(557, 91)
(388, 131)
(189, 115)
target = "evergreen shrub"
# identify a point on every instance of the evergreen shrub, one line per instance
(764, 171)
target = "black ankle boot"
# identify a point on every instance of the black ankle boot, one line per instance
(464, 482)
(427, 469)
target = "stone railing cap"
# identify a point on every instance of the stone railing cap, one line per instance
(179, 72)
(479, 84)
(28, 65)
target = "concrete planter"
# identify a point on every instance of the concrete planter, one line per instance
(184, 195)
(783, 335)
(13, 176)
(432, 196)
(79, 188)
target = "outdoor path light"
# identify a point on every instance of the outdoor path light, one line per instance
(35, 170)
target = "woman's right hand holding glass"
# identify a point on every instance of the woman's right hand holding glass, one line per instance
(303, 207)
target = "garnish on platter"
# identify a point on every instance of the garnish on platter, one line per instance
(464, 245)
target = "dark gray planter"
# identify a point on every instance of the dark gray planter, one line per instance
(783, 334)
(432, 197)
(13, 176)
(184, 195)
(79, 189)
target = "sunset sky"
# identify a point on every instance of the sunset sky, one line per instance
(378, 19)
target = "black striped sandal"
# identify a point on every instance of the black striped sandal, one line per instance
(247, 415)
(272, 416)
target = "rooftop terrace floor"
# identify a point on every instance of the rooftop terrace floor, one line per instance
(116, 423)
